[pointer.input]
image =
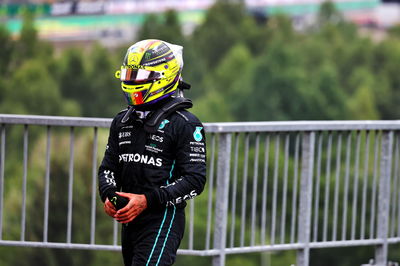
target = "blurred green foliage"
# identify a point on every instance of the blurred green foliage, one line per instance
(241, 69)
(330, 70)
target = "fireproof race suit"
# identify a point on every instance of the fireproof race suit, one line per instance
(168, 167)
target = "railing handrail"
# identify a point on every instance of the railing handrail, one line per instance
(304, 125)
(55, 120)
(220, 127)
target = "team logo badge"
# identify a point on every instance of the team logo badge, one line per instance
(147, 55)
(163, 123)
(133, 59)
(197, 134)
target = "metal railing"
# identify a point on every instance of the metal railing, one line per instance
(271, 186)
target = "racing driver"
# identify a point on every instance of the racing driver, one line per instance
(155, 158)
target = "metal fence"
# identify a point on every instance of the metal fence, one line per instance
(271, 186)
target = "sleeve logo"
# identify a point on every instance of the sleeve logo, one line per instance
(197, 134)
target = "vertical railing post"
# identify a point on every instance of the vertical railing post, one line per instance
(2, 155)
(222, 195)
(70, 184)
(381, 251)
(305, 204)
(47, 187)
(94, 189)
(24, 182)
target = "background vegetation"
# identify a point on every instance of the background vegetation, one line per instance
(240, 68)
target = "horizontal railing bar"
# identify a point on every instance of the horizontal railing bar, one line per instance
(346, 243)
(394, 240)
(203, 253)
(209, 252)
(222, 127)
(285, 126)
(294, 246)
(276, 247)
(58, 245)
(55, 120)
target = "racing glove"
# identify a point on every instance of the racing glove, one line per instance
(118, 201)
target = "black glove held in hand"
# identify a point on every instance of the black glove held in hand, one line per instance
(118, 201)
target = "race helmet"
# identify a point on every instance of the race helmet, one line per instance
(151, 71)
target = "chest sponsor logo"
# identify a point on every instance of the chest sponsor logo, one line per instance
(197, 149)
(140, 158)
(197, 134)
(156, 138)
(197, 160)
(163, 123)
(125, 142)
(197, 143)
(153, 148)
(125, 134)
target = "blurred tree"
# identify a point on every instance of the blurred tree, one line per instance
(280, 27)
(323, 95)
(164, 27)
(28, 40)
(220, 94)
(328, 14)
(220, 31)
(226, 25)
(32, 90)
(271, 84)
(213, 107)
(28, 44)
(255, 35)
(385, 68)
(149, 28)
(172, 30)
(72, 77)
(362, 103)
(232, 68)
(194, 72)
(6, 51)
(104, 92)
(394, 31)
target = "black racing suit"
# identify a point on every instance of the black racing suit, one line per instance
(168, 167)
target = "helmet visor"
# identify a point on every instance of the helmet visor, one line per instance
(138, 76)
